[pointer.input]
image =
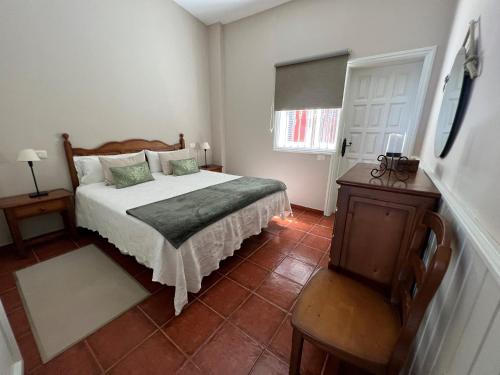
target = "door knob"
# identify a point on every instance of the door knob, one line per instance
(344, 146)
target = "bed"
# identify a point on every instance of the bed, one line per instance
(103, 209)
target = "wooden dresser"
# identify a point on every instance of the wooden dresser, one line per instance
(375, 220)
(212, 168)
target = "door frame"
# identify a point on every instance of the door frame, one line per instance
(427, 56)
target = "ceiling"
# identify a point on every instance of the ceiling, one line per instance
(225, 11)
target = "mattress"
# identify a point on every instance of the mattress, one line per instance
(103, 209)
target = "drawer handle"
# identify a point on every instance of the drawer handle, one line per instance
(42, 209)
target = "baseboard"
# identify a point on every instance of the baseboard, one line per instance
(48, 236)
(303, 208)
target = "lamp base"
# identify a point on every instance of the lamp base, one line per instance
(39, 194)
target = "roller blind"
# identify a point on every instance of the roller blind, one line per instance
(312, 84)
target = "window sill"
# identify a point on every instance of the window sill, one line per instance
(310, 152)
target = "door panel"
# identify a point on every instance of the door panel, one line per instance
(379, 101)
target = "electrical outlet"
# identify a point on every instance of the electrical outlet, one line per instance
(42, 154)
(320, 157)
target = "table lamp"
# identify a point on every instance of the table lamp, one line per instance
(29, 155)
(395, 145)
(205, 146)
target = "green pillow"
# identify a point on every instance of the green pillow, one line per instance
(131, 175)
(184, 166)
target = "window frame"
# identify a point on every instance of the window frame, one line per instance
(300, 150)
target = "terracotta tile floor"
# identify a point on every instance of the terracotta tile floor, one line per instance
(239, 323)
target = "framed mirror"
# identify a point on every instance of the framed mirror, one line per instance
(456, 89)
(451, 98)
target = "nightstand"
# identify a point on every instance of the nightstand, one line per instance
(19, 207)
(212, 168)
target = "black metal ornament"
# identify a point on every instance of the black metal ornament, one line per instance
(390, 163)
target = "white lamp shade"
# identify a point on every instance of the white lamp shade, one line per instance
(27, 155)
(395, 143)
(205, 146)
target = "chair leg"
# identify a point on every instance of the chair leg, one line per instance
(296, 355)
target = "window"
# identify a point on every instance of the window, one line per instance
(308, 95)
(306, 130)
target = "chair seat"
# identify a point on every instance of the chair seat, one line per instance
(347, 317)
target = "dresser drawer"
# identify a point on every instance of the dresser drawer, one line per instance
(40, 208)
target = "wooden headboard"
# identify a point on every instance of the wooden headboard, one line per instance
(114, 148)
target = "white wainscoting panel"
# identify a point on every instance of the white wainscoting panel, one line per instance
(460, 333)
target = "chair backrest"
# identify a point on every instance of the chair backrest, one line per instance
(418, 282)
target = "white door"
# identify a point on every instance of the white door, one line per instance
(379, 101)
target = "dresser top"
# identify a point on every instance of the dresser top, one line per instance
(24, 199)
(418, 183)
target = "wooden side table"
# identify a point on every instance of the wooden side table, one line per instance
(22, 206)
(212, 168)
(375, 221)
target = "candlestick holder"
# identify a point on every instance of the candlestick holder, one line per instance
(390, 163)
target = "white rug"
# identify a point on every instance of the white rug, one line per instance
(70, 296)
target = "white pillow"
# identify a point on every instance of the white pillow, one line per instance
(165, 157)
(89, 169)
(153, 161)
(119, 161)
(78, 164)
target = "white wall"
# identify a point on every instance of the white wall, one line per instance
(101, 71)
(306, 28)
(470, 169)
(461, 333)
(216, 59)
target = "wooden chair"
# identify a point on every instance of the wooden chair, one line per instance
(359, 324)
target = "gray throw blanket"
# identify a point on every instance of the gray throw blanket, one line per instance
(178, 218)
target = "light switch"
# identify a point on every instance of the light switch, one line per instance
(42, 154)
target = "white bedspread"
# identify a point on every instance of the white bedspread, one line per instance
(103, 209)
